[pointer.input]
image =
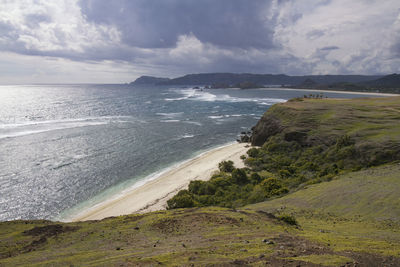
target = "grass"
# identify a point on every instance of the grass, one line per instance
(325, 260)
(170, 237)
(357, 212)
(331, 117)
(354, 218)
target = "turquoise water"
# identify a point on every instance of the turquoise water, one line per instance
(63, 147)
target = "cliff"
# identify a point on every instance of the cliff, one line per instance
(372, 124)
(149, 80)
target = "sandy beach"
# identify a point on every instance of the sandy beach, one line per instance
(154, 194)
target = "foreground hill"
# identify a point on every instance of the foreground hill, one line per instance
(353, 220)
(338, 159)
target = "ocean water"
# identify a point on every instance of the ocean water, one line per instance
(66, 147)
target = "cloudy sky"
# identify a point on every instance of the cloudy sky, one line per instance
(103, 41)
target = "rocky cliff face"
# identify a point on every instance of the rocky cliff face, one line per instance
(266, 127)
(368, 127)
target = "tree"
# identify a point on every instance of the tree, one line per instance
(239, 176)
(253, 152)
(226, 166)
(181, 200)
(273, 186)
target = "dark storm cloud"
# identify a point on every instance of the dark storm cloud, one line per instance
(157, 24)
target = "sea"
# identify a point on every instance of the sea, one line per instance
(64, 148)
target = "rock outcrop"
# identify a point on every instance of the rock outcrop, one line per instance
(266, 127)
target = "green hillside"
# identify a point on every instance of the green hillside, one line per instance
(303, 141)
(353, 219)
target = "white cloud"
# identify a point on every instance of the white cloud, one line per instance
(362, 30)
(64, 40)
(59, 26)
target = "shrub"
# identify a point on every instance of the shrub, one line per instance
(194, 186)
(239, 176)
(257, 195)
(221, 182)
(181, 200)
(272, 187)
(289, 219)
(226, 166)
(254, 163)
(253, 152)
(255, 178)
(343, 141)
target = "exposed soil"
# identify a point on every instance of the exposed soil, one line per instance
(50, 230)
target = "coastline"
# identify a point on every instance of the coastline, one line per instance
(153, 194)
(333, 91)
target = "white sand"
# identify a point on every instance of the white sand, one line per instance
(153, 195)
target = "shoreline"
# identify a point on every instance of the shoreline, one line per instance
(153, 194)
(333, 91)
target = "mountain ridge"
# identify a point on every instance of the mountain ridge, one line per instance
(262, 79)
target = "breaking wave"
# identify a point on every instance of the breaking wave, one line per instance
(198, 95)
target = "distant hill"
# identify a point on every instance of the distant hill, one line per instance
(389, 81)
(232, 79)
(149, 80)
(308, 83)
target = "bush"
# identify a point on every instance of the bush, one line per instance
(343, 141)
(239, 176)
(257, 195)
(226, 166)
(289, 219)
(194, 186)
(255, 178)
(221, 182)
(181, 200)
(272, 187)
(253, 152)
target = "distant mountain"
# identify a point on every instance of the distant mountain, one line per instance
(389, 81)
(386, 84)
(308, 83)
(149, 80)
(231, 79)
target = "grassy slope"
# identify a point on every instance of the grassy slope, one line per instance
(334, 228)
(367, 119)
(358, 211)
(353, 218)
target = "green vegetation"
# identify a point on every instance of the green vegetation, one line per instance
(325, 259)
(358, 211)
(226, 166)
(333, 229)
(311, 140)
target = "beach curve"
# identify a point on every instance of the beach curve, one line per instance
(154, 194)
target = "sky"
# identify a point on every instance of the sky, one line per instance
(103, 41)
